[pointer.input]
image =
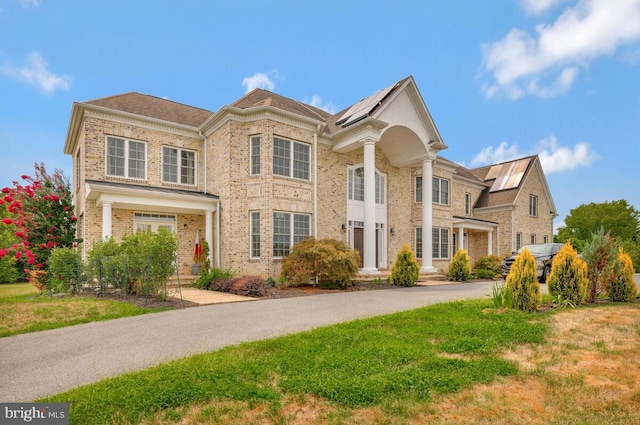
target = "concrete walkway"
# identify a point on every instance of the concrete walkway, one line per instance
(45, 363)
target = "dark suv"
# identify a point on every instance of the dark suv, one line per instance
(542, 252)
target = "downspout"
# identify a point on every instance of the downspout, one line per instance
(204, 161)
(315, 181)
(218, 234)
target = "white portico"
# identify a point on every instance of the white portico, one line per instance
(396, 121)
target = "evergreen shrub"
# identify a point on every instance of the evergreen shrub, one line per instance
(406, 270)
(460, 266)
(623, 288)
(488, 267)
(568, 279)
(523, 283)
(600, 254)
(65, 270)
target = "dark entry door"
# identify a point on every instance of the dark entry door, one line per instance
(358, 243)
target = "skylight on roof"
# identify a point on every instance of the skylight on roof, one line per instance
(507, 176)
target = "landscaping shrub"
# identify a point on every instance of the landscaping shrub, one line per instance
(623, 287)
(488, 267)
(599, 253)
(406, 270)
(460, 266)
(523, 283)
(249, 286)
(222, 284)
(205, 279)
(65, 270)
(568, 278)
(632, 248)
(326, 261)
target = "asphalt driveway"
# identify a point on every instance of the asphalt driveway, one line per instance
(45, 363)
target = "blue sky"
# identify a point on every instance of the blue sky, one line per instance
(501, 78)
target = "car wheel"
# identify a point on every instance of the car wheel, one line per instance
(545, 274)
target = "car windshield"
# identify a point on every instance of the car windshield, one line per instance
(537, 250)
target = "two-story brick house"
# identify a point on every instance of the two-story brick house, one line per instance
(266, 171)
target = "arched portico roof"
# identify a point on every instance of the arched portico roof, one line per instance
(396, 118)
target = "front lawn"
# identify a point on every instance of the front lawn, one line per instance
(23, 309)
(408, 357)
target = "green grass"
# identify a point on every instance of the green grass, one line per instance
(23, 310)
(408, 356)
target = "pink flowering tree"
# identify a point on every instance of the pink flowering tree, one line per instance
(41, 213)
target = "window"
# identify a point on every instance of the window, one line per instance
(285, 164)
(288, 230)
(178, 166)
(356, 185)
(440, 242)
(152, 222)
(255, 155)
(126, 158)
(533, 205)
(518, 241)
(440, 193)
(467, 203)
(533, 238)
(545, 239)
(255, 234)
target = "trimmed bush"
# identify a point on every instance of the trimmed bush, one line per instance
(326, 261)
(249, 286)
(623, 288)
(568, 278)
(206, 279)
(523, 283)
(222, 284)
(65, 270)
(488, 267)
(460, 266)
(600, 254)
(406, 270)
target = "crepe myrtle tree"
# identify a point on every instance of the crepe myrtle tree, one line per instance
(41, 213)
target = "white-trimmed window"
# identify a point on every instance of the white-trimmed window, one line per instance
(288, 230)
(545, 239)
(291, 159)
(467, 203)
(126, 158)
(440, 242)
(440, 193)
(533, 205)
(255, 155)
(356, 185)
(178, 165)
(152, 222)
(255, 234)
(533, 238)
(518, 241)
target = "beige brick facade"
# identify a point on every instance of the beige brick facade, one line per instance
(225, 185)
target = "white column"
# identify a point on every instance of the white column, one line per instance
(460, 238)
(369, 260)
(106, 220)
(490, 243)
(208, 232)
(427, 216)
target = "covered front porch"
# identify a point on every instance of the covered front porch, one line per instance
(123, 208)
(478, 237)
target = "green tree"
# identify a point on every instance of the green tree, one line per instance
(600, 254)
(523, 283)
(405, 271)
(568, 278)
(460, 267)
(618, 218)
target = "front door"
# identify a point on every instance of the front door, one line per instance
(358, 243)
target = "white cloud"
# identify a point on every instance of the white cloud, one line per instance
(553, 157)
(491, 155)
(557, 159)
(36, 73)
(29, 3)
(546, 64)
(536, 7)
(260, 80)
(316, 101)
